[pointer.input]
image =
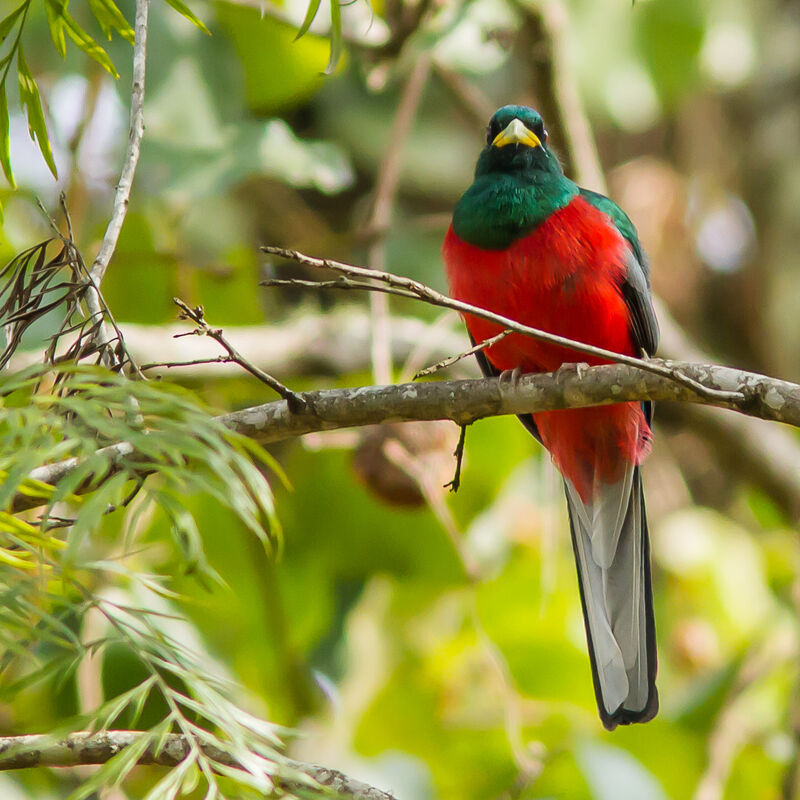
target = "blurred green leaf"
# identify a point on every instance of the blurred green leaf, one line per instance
(311, 13)
(87, 44)
(5, 154)
(56, 9)
(29, 100)
(186, 12)
(614, 774)
(110, 19)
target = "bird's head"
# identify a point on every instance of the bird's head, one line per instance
(516, 141)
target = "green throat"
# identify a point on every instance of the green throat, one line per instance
(501, 207)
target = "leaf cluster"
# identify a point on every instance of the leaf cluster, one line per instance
(89, 553)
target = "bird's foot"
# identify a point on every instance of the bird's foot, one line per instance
(510, 376)
(565, 370)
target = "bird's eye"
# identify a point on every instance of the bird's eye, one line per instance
(492, 130)
(540, 131)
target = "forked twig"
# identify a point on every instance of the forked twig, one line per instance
(406, 287)
(295, 401)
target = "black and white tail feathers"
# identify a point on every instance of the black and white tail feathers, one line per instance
(612, 554)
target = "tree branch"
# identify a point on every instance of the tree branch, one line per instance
(406, 287)
(22, 752)
(466, 401)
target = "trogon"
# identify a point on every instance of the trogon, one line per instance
(528, 243)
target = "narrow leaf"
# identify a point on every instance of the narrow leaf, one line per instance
(110, 19)
(5, 141)
(185, 11)
(311, 13)
(88, 45)
(30, 100)
(8, 22)
(55, 21)
(336, 36)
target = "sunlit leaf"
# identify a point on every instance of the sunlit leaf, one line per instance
(30, 101)
(336, 36)
(56, 11)
(5, 143)
(311, 13)
(88, 45)
(186, 12)
(8, 22)
(110, 19)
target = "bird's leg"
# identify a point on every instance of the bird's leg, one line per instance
(459, 454)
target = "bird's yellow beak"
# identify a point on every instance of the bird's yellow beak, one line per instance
(516, 133)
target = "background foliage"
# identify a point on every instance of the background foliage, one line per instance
(431, 669)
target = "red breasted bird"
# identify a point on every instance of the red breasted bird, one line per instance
(528, 243)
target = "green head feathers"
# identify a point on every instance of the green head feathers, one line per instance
(518, 182)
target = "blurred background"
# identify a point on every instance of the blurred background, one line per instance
(426, 642)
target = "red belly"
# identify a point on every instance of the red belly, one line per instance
(563, 278)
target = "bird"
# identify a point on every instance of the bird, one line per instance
(528, 243)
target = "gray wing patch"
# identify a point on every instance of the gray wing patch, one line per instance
(636, 292)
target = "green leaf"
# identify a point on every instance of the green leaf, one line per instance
(87, 44)
(185, 11)
(55, 20)
(110, 19)
(5, 149)
(311, 13)
(29, 100)
(8, 22)
(336, 36)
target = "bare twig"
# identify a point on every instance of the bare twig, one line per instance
(335, 342)
(385, 191)
(123, 192)
(23, 752)
(447, 362)
(467, 401)
(472, 101)
(295, 401)
(195, 362)
(406, 287)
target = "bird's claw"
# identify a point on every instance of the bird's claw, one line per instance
(566, 369)
(511, 376)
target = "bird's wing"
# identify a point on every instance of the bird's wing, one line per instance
(636, 284)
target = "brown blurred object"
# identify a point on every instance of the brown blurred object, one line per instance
(695, 645)
(430, 444)
(655, 197)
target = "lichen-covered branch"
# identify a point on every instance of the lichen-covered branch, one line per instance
(22, 752)
(466, 401)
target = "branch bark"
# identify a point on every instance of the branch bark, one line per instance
(466, 401)
(23, 752)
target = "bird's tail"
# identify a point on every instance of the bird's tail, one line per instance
(612, 553)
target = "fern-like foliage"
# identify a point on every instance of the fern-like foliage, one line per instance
(87, 553)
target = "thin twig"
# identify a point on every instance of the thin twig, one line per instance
(448, 362)
(382, 210)
(193, 363)
(295, 401)
(406, 287)
(123, 193)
